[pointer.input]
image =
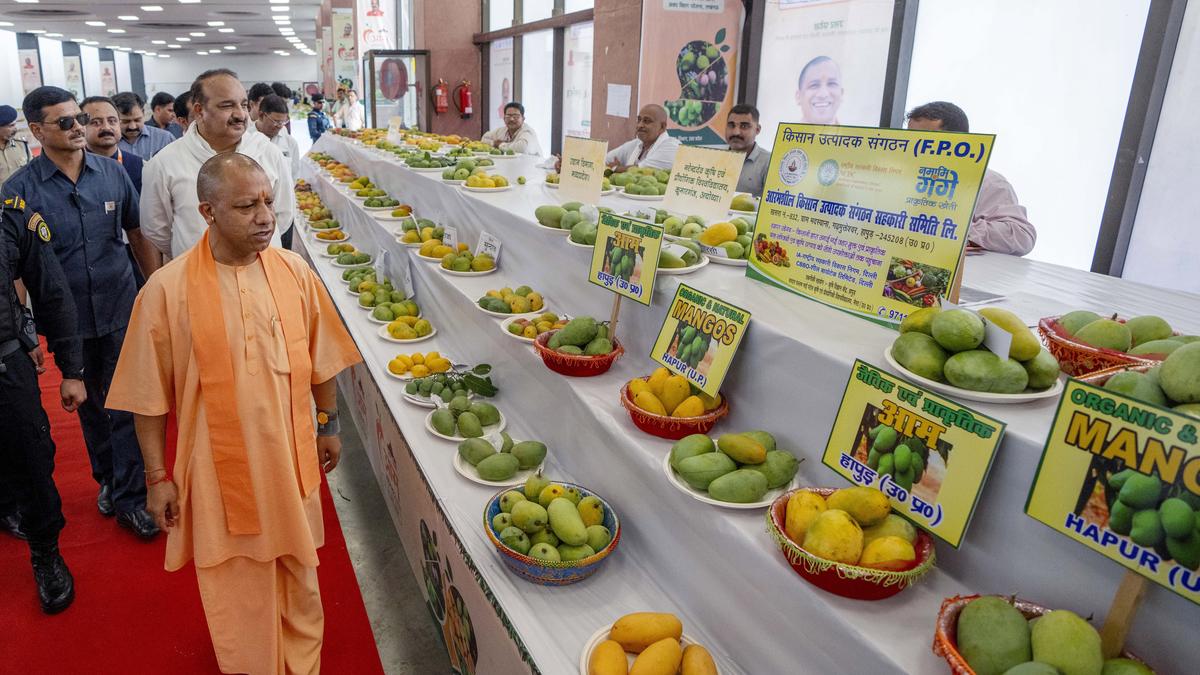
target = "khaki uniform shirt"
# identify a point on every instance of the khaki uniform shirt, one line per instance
(13, 156)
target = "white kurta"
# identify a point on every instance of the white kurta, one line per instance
(660, 156)
(525, 141)
(169, 206)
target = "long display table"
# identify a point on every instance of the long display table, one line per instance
(716, 568)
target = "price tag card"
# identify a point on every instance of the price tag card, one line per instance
(703, 182)
(450, 237)
(699, 337)
(489, 244)
(625, 258)
(1122, 477)
(929, 454)
(582, 174)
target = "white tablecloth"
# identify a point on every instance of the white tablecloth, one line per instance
(716, 567)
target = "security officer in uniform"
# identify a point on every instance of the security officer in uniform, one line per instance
(14, 152)
(26, 449)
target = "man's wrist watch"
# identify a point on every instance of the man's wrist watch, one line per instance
(327, 423)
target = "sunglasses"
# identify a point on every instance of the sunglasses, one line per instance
(67, 122)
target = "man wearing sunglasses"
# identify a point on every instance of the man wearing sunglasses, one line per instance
(272, 122)
(88, 202)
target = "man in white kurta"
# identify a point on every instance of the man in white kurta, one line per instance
(515, 135)
(653, 146)
(169, 206)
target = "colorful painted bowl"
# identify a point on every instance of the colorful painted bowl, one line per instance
(945, 633)
(552, 573)
(1076, 358)
(849, 581)
(673, 428)
(572, 365)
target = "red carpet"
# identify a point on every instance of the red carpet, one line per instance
(130, 616)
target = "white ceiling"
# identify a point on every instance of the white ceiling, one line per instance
(253, 29)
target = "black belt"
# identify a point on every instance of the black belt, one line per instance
(9, 347)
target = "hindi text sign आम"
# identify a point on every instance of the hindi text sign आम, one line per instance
(625, 257)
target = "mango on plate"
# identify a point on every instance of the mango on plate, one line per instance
(608, 658)
(635, 632)
(779, 468)
(1025, 344)
(529, 453)
(743, 486)
(700, 471)
(690, 446)
(920, 354)
(697, 661)
(661, 658)
(981, 370)
(498, 466)
(742, 449)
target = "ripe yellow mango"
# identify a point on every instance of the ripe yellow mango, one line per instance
(674, 390)
(803, 507)
(710, 402)
(718, 233)
(1025, 345)
(657, 379)
(697, 661)
(636, 385)
(635, 632)
(866, 505)
(646, 400)
(661, 658)
(742, 449)
(691, 407)
(888, 550)
(608, 658)
(835, 536)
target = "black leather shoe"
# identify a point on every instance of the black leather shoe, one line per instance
(56, 586)
(12, 525)
(139, 522)
(104, 501)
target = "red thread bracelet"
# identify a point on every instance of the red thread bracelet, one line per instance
(165, 479)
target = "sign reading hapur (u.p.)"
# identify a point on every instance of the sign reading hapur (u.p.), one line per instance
(699, 337)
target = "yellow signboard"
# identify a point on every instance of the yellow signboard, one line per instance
(929, 454)
(1122, 477)
(625, 257)
(703, 182)
(870, 221)
(699, 337)
(582, 174)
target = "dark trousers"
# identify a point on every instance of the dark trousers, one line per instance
(27, 452)
(286, 238)
(111, 441)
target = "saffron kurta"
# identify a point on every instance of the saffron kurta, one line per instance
(158, 373)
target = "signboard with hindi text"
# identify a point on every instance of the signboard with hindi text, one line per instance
(929, 454)
(699, 337)
(581, 177)
(870, 221)
(1122, 477)
(625, 257)
(703, 182)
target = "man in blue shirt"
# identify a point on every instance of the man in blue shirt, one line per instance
(162, 114)
(136, 137)
(88, 201)
(103, 134)
(318, 121)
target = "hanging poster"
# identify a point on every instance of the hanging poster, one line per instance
(328, 79)
(31, 69)
(376, 24)
(851, 215)
(108, 78)
(689, 64)
(577, 80)
(834, 73)
(500, 80)
(73, 74)
(345, 53)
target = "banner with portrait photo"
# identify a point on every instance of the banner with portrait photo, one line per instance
(689, 64)
(73, 75)
(345, 52)
(500, 80)
(376, 24)
(31, 69)
(824, 62)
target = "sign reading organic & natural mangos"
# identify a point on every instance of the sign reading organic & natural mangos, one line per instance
(1122, 477)
(625, 257)
(582, 174)
(699, 337)
(871, 221)
(703, 182)
(929, 454)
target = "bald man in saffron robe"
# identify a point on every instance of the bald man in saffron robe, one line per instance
(240, 340)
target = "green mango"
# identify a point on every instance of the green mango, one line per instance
(443, 421)
(1120, 518)
(1117, 480)
(887, 464)
(579, 331)
(1042, 370)
(993, 636)
(742, 486)
(529, 453)
(571, 349)
(957, 330)
(1106, 334)
(502, 521)
(764, 439)
(920, 354)
(459, 405)
(1062, 639)
(546, 536)
(779, 469)
(412, 387)
(507, 445)
(545, 552)
(1177, 518)
(550, 215)
(486, 413)
(668, 260)
(565, 521)
(530, 516)
(873, 458)
(1163, 347)
(497, 466)
(1180, 374)
(469, 426)
(598, 347)
(1032, 668)
(885, 438)
(570, 553)
(1141, 491)
(691, 446)
(981, 370)
(903, 455)
(1136, 385)
(1147, 528)
(555, 340)
(475, 450)
(701, 470)
(516, 539)
(1185, 550)
(1125, 667)
(1143, 329)
(598, 537)
(573, 206)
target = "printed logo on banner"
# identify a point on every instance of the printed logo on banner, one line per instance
(828, 172)
(794, 167)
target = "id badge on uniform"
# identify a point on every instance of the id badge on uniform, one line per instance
(109, 207)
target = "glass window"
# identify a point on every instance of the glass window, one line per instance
(576, 5)
(577, 80)
(1015, 88)
(536, 10)
(537, 78)
(500, 14)
(500, 80)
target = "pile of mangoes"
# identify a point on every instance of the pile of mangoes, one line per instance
(563, 217)
(505, 300)
(352, 257)
(852, 526)
(669, 259)
(947, 346)
(503, 463)
(428, 161)
(1141, 336)
(550, 521)
(327, 224)
(737, 468)
(409, 327)
(331, 235)
(639, 180)
(1175, 383)
(904, 459)
(582, 336)
(667, 394)
(436, 250)
(420, 230)
(655, 638)
(465, 261)
(531, 328)
(481, 179)
(420, 365)
(463, 418)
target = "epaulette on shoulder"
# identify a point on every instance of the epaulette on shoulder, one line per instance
(15, 203)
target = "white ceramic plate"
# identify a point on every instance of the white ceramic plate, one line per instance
(453, 181)
(734, 262)
(423, 402)
(468, 188)
(365, 264)
(643, 198)
(467, 471)
(437, 261)
(552, 186)
(602, 635)
(330, 241)
(698, 495)
(508, 322)
(491, 156)
(685, 270)
(751, 216)
(586, 245)
(372, 318)
(552, 230)
(407, 377)
(386, 214)
(491, 429)
(383, 333)
(466, 274)
(981, 396)
(432, 169)
(545, 308)
(377, 209)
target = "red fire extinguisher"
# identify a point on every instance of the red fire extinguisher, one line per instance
(462, 99)
(441, 97)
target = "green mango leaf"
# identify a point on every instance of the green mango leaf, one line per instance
(724, 48)
(482, 369)
(720, 36)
